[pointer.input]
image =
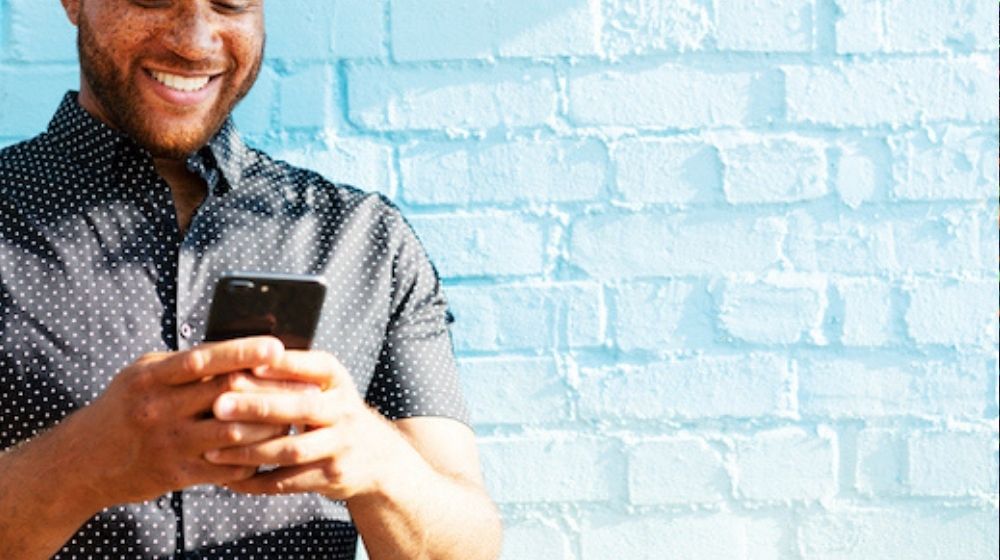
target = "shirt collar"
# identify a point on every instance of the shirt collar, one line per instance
(94, 144)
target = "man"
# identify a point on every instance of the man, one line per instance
(124, 437)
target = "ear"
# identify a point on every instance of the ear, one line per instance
(72, 8)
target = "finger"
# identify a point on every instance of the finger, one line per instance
(320, 368)
(289, 480)
(205, 473)
(213, 434)
(217, 358)
(197, 398)
(283, 451)
(310, 408)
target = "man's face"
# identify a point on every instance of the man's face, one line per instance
(167, 72)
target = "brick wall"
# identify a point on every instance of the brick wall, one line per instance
(724, 271)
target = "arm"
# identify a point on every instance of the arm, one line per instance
(413, 488)
(437, 507)
(142, 438)
(44, 497)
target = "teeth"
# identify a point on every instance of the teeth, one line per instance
(180, 83)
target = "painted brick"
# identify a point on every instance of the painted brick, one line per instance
(444, 29)
(843, 388)
(358, 28)
(300, 29)
(4, 25)
(307, 98)
(362, 162)
(863, 171)
(583, 311)
(528, 316)
(940, 241)
(535, 541)
(750, 386)
(904, 532)
(681, 470)
(839, 244)
(468, 245)
(554, 28)
(773, 313)
(649, 26)
(523, 316)
(647, 244)
(881, 466)
(954, 313)
(29, 97)
(859, 28)
(526, 391)
(536, 469)
(765, 25)
(932, 241)
(40, 32)
(893, 92)
(960, 25)
(633, 97)
(652, 537)
(387, 99)
(953, 464)
(501, 318)
(667, 171)
(957, 163)
(867, 320)
(773, 170)
(519, 171)
(786, 464)
(452, 29)
(254, 114)
(661, 316)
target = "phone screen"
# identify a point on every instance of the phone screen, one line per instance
(252, 304)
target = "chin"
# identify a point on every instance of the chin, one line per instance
(178, 144)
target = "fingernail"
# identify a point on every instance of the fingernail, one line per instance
(212, 456)
(224, 406)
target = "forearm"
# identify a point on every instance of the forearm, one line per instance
(44, 498)
(427, 516)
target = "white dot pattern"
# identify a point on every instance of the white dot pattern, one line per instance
(94, 272)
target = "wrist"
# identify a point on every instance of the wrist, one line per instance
(45, 495)
(399, 470)
(62, 463)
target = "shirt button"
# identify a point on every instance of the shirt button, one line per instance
(163, 502)
(186, 330)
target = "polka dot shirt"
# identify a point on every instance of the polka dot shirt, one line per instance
(94, 272)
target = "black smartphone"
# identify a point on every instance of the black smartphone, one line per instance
(286, 306)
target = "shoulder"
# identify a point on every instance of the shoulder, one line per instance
(25, 154)
(27, 164)
(321, 193)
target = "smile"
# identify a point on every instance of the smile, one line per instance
(180, 83)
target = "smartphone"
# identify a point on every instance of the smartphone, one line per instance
(286, 306)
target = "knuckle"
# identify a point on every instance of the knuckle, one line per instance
(332, 470)
(231, 433)
(229, 382)
(193, 361)
(145, 412)
(291, 455)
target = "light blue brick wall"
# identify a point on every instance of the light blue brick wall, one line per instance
(724, 270)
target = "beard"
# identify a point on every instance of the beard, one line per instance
(121, 100)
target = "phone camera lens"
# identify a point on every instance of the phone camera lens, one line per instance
(241, 285)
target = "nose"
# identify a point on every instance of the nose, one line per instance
(193, 33)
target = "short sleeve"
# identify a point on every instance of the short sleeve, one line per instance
(416, 374)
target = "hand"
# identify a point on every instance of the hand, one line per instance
(151, 427)
(347, 449)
